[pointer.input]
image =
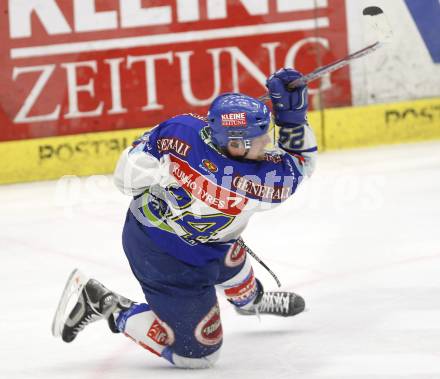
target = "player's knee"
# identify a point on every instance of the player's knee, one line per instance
(206, 361)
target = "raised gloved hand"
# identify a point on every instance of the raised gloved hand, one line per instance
(289, 106)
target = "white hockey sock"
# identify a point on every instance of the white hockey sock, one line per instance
(142, 325)
(241, 290)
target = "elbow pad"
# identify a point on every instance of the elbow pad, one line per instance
(138, 170)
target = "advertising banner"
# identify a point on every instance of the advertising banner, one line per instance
(79, 66)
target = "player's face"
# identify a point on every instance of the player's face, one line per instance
(256, 152)
(257, 147)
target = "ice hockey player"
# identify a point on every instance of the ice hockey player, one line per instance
(195, 183)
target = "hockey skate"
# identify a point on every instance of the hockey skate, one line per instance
(84, 301)
(276, 303)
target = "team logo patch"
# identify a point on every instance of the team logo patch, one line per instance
(234, 119)
(235, 256)
(274, 158)
(161, 333)
(210, 166)
(209, 331)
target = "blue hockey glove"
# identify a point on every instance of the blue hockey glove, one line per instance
(289, 106)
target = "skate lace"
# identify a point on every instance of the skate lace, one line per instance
(91, 317)
(274, 302)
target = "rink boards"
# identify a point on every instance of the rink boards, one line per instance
(338, 128)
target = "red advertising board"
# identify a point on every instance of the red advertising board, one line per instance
(76, 66)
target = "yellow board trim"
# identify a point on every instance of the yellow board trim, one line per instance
(54, 157)
(382, 124)
(338, 128)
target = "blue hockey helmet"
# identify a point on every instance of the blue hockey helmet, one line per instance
(234, 116)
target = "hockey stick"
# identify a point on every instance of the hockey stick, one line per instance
(377, 21)
(255, 256)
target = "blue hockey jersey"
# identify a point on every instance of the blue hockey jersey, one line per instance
(190, 199)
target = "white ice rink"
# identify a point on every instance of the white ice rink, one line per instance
(360, 241)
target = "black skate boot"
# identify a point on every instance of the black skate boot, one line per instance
(275, 303)
(91, 302)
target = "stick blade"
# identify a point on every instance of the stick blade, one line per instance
(372, 11)
(378, 23)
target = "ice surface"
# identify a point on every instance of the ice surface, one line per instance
(360, 241)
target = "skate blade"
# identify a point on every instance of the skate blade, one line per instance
(75, 284)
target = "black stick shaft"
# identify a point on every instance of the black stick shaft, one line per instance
(255, 256)
(321, 71)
